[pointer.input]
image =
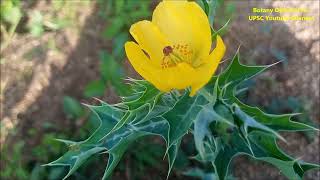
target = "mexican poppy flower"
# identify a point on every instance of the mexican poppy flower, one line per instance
(173, 50)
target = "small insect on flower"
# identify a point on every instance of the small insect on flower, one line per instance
(178, 48)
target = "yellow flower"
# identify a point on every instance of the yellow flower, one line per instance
(173, 50)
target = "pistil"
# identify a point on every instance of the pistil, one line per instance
(172, 55)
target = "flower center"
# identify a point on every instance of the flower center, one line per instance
(172, 55)
(167, 50)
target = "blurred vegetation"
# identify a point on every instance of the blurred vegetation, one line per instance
(10, 16)
(16, 16)
(111, 75)
(116, 30)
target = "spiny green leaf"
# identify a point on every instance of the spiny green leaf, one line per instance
(172, 154)
(277, 122)
(79, 152)
(226, 154)
(114, 143)
(223, 126)
(235, 74)
(109, 117)
(75, 157)
(182, 115)
(221, 31)
(139, 108)
(119, 140)
(201, 130)
(144, 93)
(289, 166)
(264, 148)
(263, 126)
(205, 117)
(120, 125)
(248, 121)
(67, 142)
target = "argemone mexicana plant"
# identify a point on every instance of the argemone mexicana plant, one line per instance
(173, 53)
(176, 54)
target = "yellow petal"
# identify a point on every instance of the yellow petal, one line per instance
(150, 39)
(178, 77)
(184, 22)
(204, 73)
(142, 65)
